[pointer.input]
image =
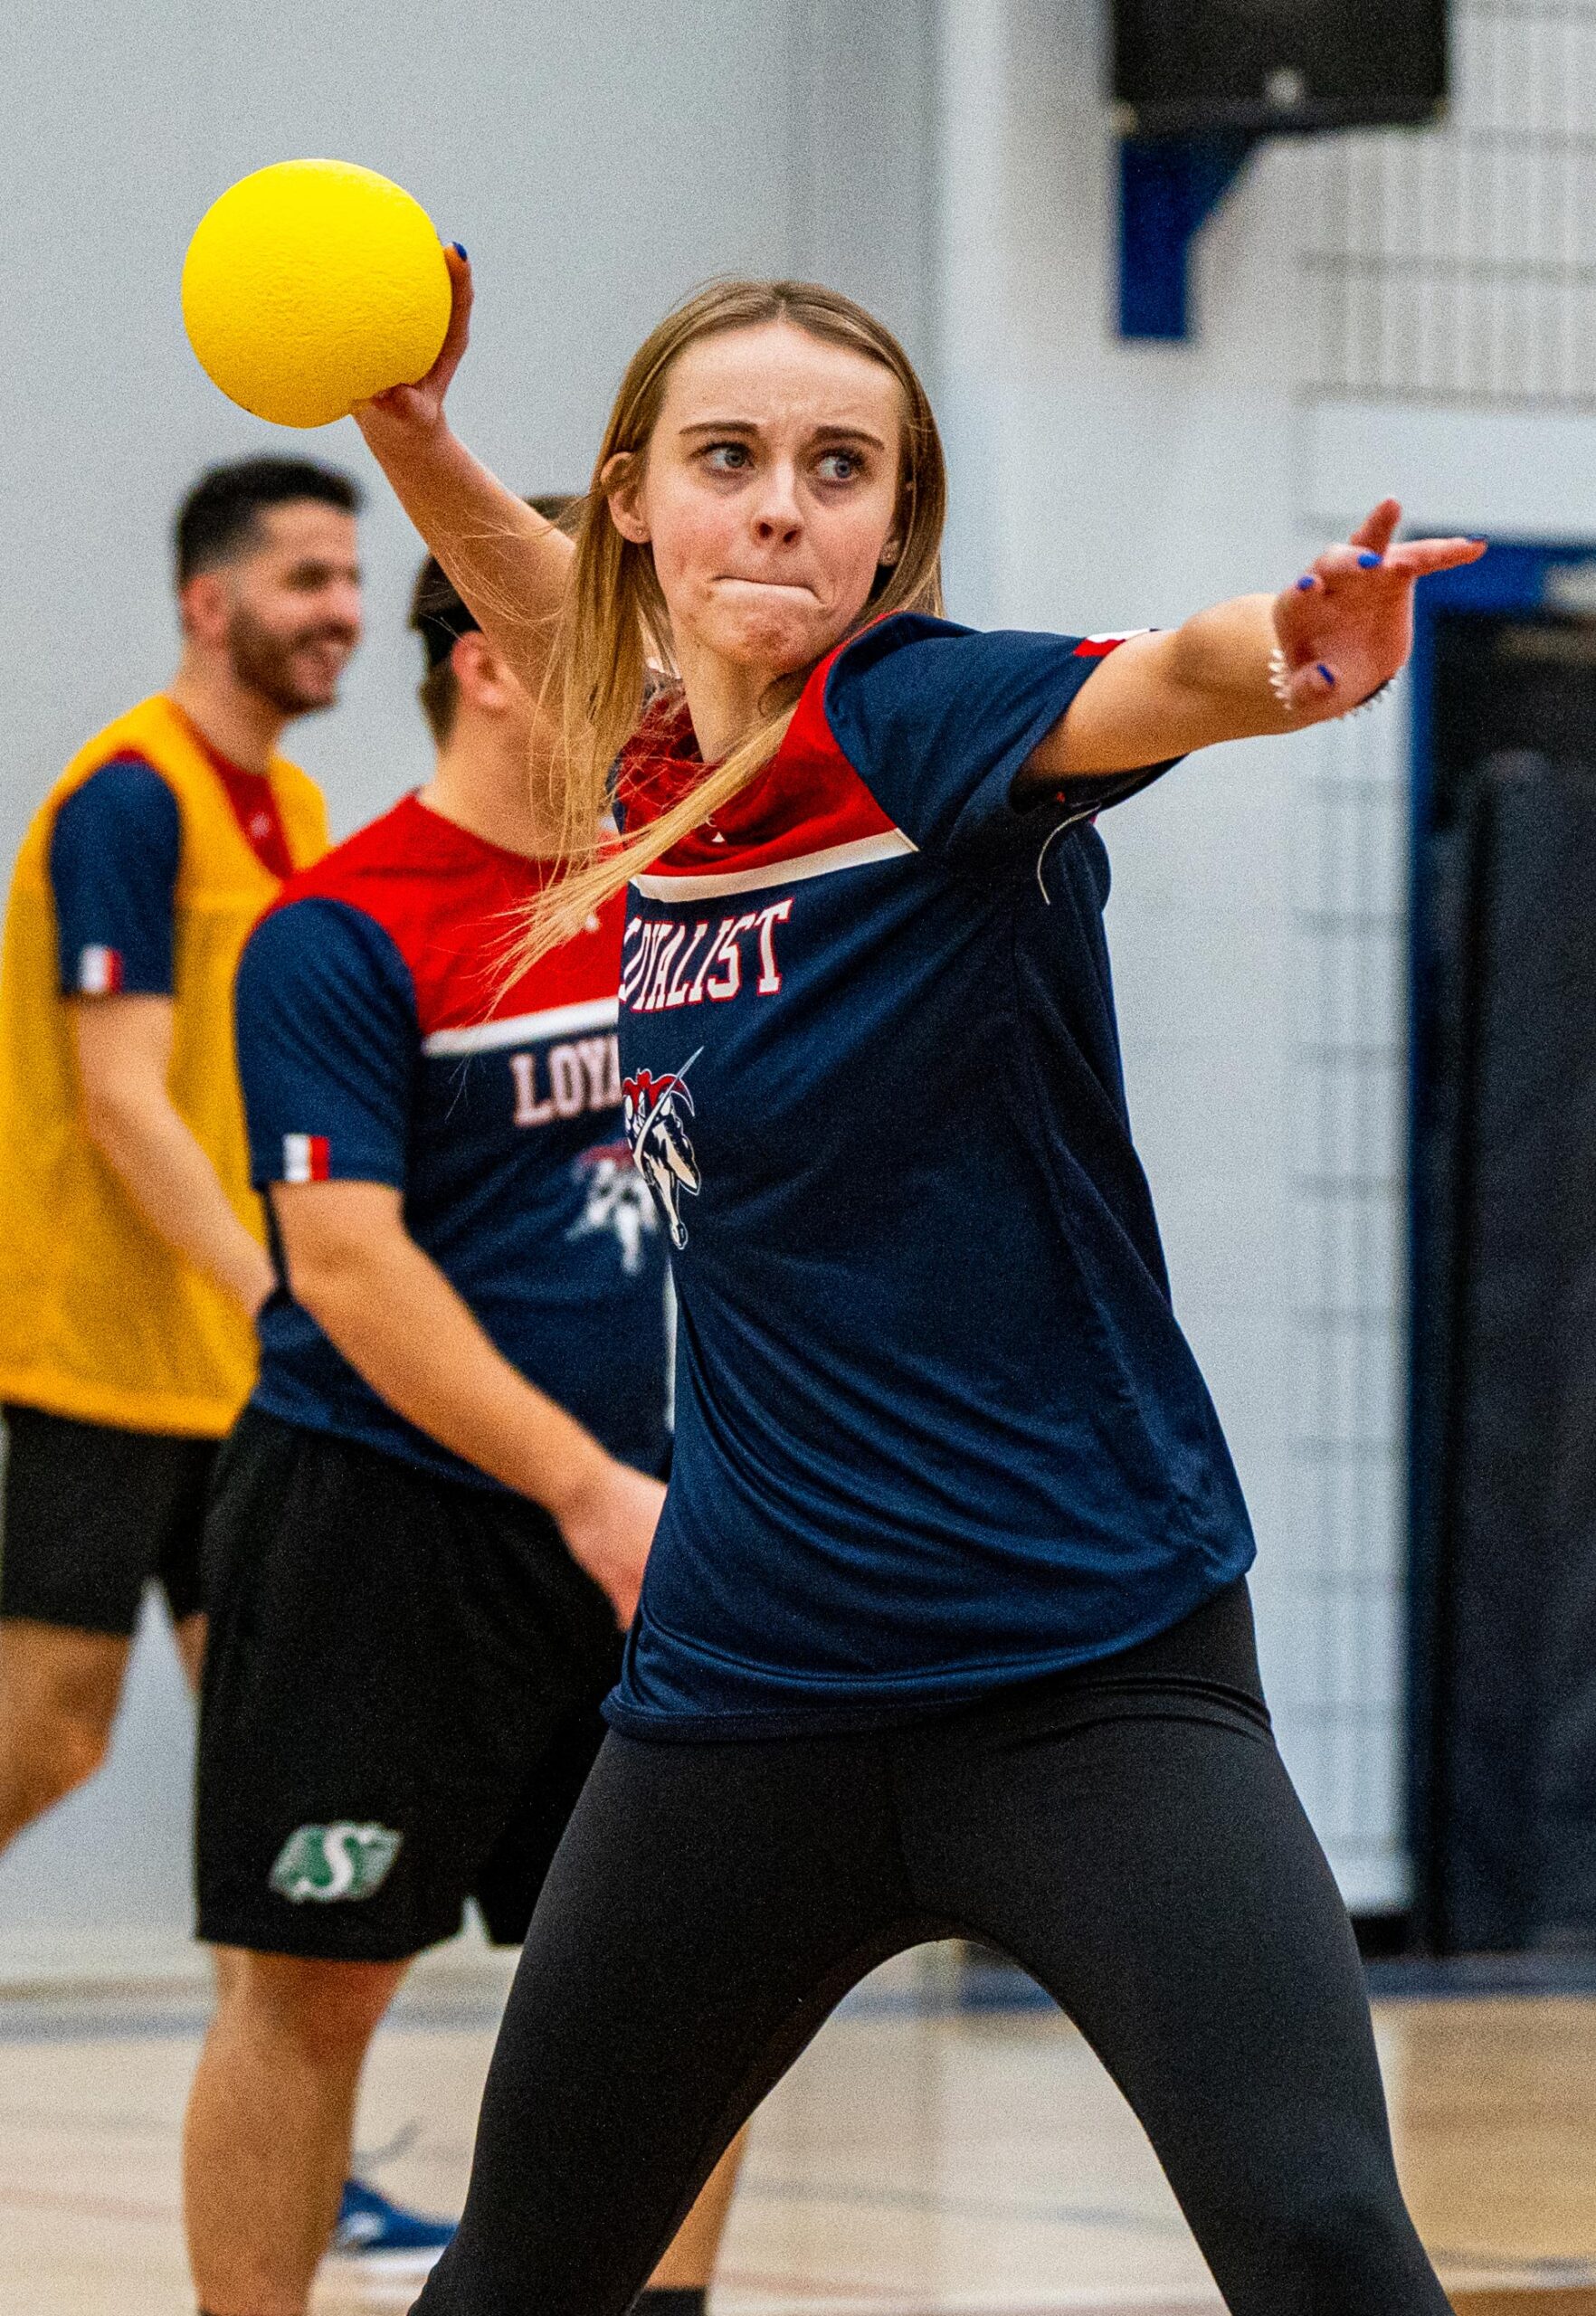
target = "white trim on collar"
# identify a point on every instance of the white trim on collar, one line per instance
(891, 844)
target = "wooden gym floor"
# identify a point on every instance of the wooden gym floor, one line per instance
(921, 2158)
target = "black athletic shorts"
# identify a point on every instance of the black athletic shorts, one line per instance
(93, 1514)
(401, 1700)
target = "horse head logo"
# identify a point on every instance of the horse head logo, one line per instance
(656, 1111)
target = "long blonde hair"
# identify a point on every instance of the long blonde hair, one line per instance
(614, 644)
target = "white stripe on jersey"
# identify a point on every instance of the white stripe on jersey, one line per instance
(891, 845)
(297, 1165)
(100, 971)
(526, 1029)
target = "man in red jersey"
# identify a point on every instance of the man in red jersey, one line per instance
(433, 1514)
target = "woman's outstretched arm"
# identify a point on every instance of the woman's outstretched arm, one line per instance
(510, 566)
(1341, 631)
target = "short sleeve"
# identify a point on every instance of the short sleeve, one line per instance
(327, 1045)
(114, 853)
(939, 720)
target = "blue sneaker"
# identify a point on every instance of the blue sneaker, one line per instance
(369, 2226)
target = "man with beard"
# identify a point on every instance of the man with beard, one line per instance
(132, 1256)
(132, 1260)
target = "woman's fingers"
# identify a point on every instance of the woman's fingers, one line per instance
(459, 313)
(1414, 559)
(1347, 561)
(422, 403)
(437, 380)
(1417, 558)
(1376, 531)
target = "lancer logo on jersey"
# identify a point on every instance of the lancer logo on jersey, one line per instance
(616, 1203)
(325, 1863)
(656, 1111)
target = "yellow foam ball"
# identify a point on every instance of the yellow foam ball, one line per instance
(312, 285)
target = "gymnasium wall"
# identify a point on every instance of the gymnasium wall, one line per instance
(1448, 286)
(1368, 320)
(1380, 312)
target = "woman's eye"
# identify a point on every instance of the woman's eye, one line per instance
(726, 458)
(841, 466)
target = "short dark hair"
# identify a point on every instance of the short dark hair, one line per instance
(217, 521)
(440, 616)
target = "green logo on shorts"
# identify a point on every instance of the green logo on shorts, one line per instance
(340, 1861)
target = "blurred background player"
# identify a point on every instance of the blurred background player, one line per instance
(441, 1494)
(134, 1262)
(133, 1255)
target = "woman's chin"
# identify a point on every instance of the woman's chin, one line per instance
(775, 643)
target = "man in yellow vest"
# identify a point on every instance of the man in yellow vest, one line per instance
(131, 1254)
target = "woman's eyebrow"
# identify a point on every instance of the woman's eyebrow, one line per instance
(849, 434)
(721, 427)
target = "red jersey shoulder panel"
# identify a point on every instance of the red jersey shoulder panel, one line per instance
(452, 904)
(808, 800)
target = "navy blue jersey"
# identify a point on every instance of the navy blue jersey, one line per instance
(938, 1429)
(380, 1040)
(113, 872)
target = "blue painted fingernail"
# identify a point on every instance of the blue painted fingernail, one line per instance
(1325, 672)
(1305, 583)
(461, 251)
(1369, 562)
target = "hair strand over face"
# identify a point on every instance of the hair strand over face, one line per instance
(615, 645)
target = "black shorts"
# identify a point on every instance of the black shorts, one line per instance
(93, 1514)
(401, 1700)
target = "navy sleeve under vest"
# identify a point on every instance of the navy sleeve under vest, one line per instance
(113, 869)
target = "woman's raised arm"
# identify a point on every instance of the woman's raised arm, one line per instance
(1257, 665)
(510, 566)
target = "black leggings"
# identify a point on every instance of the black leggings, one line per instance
(1126, 1832)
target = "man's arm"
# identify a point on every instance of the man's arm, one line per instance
(124, 1052)
(400, 1324)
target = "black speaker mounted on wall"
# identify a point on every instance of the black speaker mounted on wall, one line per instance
(1181, 66)
(1198, 83)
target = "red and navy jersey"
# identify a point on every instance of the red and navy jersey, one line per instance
(383, 1037)
(938, 1429)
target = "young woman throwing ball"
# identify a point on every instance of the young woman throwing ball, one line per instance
(945, 1630)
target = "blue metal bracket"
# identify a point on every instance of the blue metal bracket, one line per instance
(1169, 187)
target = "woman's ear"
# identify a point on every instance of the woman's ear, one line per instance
(621, 482)
(892, 551)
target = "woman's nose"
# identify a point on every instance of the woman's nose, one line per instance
(777, 516)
